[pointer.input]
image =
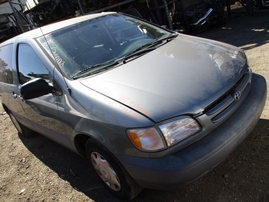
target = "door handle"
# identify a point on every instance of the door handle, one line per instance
(15, 96)
(58, 103)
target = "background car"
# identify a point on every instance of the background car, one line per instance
(8, 28)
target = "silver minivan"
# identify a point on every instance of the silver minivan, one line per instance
(148, 107)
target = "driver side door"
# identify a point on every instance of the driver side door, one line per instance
(41, 111)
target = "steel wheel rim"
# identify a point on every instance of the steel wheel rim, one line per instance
(105, 171)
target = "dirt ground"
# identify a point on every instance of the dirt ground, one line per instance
(37, 169)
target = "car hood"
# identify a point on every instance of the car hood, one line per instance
(181, 77)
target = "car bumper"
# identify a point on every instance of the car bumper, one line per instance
(199, 158)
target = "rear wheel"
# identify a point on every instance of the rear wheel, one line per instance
(111, 172)
(26, 132)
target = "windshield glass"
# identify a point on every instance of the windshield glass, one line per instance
(103, 40)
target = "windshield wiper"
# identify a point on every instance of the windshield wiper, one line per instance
(164, 40)
(95, 69)
(168, 38)
(148, 47)
(137, 52)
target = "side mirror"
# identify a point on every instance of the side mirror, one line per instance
(35, 88)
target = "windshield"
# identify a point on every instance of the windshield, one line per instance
(103, 40)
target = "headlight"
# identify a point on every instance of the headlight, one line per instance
(179, 129)
(146, 139)
(149, 139)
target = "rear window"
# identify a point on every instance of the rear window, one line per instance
(6, 73)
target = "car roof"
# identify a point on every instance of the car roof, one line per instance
(56, 26)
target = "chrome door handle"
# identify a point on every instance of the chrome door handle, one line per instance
(15, 96)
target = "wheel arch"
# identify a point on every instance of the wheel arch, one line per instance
(80, 141)
(5, 108)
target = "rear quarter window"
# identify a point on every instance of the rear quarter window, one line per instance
(6, 73)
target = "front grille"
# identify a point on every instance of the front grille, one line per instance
(227, 103)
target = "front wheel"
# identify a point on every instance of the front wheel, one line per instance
(111, 172)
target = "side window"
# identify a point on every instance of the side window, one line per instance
(6, 74)
(29, 64)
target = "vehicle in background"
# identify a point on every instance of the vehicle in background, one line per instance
(257, 4)
(8, 28)
(48, 11)
(264, 3)
(197, 15)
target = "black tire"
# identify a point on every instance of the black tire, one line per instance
(112, 173)
(24, 131)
